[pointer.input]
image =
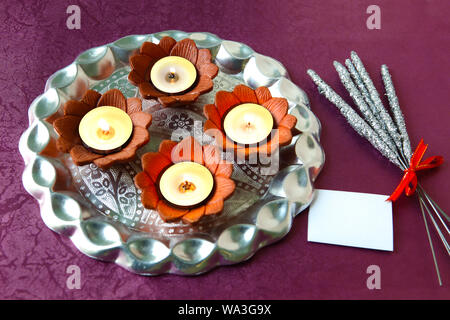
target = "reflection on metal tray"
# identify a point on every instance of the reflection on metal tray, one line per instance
(101, 211)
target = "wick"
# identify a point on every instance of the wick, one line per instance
(172, 76)
(248, 126)
(186, 186)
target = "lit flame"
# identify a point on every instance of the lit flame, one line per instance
(104, 125)
(172, 70)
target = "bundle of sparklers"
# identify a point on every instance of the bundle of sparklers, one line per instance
(386, 131)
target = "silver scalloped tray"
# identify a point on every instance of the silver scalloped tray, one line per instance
(100, 211)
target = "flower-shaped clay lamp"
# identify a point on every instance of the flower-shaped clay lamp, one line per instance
(184, 180)
(175, 73)
(103, 129)
(227, 120)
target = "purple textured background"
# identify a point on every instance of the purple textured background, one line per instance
(414, 42)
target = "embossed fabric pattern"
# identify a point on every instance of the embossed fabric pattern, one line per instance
(413, 41)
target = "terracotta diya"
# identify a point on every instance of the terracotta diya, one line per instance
(103, 129)
(248, 121)
(184, 180)
(175, 73)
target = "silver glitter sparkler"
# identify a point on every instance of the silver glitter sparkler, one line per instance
(357, 123)
(389, 138)
(363, 107)
(395, 107)
(392, 129)
(362, 88)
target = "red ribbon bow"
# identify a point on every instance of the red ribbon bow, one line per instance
(409, 180)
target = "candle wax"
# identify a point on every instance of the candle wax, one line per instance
(105, 128)
(186, 183)
(173, 74)
(248, 123)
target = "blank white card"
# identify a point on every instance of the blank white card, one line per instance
(351, 219)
